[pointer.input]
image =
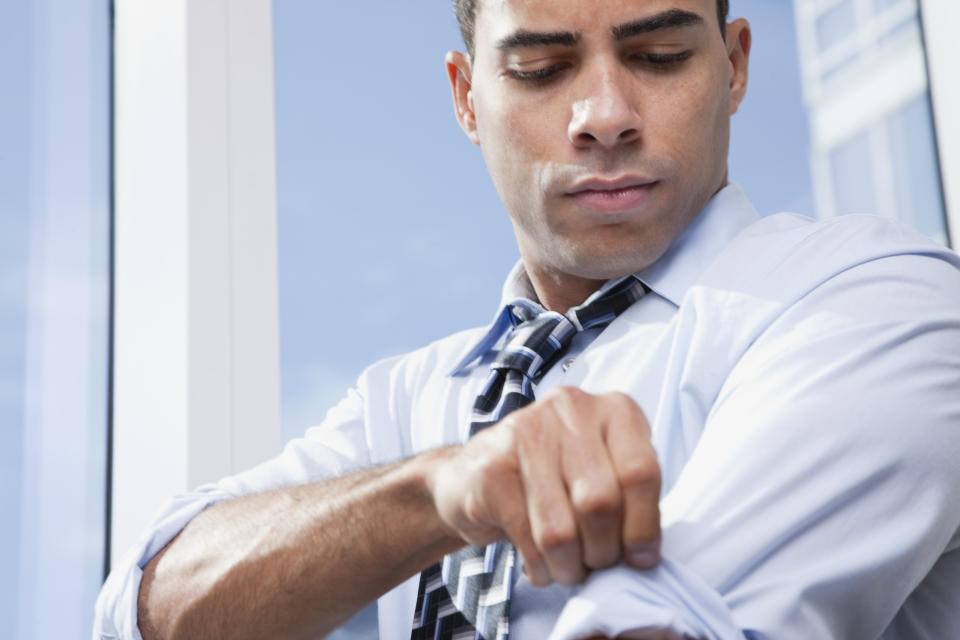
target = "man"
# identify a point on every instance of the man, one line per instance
(784, 399)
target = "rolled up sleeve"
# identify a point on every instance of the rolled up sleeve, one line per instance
(336, 446)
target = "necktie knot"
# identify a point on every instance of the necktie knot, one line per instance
(535, 343)
(540, 336)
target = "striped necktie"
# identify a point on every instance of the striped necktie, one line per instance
(467, 596)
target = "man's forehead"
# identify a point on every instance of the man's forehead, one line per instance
(497, 18)
(553, 9)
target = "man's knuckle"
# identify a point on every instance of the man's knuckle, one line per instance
(596, 502)
(640, 471)
(519, 424)
(501, 435)
(565, 399)
(474, 508)
(554, 537)
(564, 393)
(620, 400)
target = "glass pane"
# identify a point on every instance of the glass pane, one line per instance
(919, 197)
(853, 180)
(872, 146)
(835, 24)
(54, 257)
(907, 30)
(879, 6)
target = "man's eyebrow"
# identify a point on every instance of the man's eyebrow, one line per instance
(667, 20)
(524, 38)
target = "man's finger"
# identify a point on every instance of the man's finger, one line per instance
(638, 473)
(512, 514)
(594, 494)
(552, 523)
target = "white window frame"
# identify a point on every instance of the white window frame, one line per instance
(940, 18)
(196, 356)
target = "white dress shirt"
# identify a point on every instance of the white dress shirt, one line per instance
(802, 382)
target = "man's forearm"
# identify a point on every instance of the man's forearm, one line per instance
(295, 562)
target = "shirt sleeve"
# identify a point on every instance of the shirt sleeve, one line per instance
(336, 446)
(824, 485)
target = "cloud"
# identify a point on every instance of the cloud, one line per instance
(308, 391)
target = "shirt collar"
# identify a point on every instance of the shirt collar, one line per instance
(727, 214)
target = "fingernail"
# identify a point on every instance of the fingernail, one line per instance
(646, 557)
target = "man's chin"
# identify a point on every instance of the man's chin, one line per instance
(607, 266)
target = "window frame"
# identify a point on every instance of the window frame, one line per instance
(943, 49)
(195, 353)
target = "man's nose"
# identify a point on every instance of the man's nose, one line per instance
(604, 115)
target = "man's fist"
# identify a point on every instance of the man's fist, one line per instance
(571, 480)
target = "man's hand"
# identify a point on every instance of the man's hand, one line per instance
(571, 480)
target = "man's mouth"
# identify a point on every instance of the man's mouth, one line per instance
(612, 196)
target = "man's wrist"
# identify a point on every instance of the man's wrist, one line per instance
(419, 475)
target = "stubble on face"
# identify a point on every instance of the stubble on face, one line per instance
(563, 125)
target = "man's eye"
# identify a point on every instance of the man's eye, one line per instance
(662, 60)
(535, 76)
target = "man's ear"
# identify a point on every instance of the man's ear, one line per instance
(459, 71)
(738, 52)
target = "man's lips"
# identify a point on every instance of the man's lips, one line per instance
(612, 196)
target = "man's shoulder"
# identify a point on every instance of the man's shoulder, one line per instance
(436, 360)
(792, 253)
(785, 269)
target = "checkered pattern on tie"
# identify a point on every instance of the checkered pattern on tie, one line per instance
(467, 596)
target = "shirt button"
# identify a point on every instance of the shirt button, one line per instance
(567, 364)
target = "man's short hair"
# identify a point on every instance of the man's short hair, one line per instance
(467, 13)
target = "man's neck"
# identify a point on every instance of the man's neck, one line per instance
(561, 292)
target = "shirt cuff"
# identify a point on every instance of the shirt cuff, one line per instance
(669, 600)
(115, 615)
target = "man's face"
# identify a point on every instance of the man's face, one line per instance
(604, 123)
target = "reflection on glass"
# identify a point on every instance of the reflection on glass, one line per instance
(840, 67)
(880, 6)
(835, 24)
(853, 175)
(54, 220)
(872, 146)
(901, 30)
(919, 197)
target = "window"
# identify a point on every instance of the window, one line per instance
(872, 147)
(54, 310)
(836, 24)
(915, 171)
(853, 175)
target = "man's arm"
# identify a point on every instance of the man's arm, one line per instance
(571, 480)
(822, 490)
(294, 562)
